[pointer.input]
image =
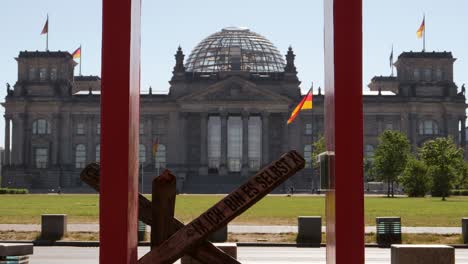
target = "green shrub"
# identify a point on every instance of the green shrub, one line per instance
(13, 191)
(414, 179)
(462, 192)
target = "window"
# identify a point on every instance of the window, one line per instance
(428, 127)
(80, 156)
(98, 128)
(439, 74)
(388, 126)
(43, 74)
(308, 129)
(416, 76)
(98, 153)
(214, 142)
(41, 127)
(427, 74)
(234, 147)
(142, 153)
(53, 74)
(255, 142)
(41, 157)
(369, 151)
(142, 128)
(308, 156)
(80, 129)
(32, 73)
(160, 159)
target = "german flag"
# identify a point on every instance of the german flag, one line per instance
(155, 147)
(45, 29)
(77, 53)
(306, 103)
(421, 29)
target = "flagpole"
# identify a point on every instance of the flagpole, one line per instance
(424, 33)
(81, 55)
(47, 35)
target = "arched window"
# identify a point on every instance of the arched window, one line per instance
(41, 156)
(308, 156)
(80, 156)
(308, 129)
(428, 127)
(142, 153)
(255, 142)
(41, 127)
(42, 74)
(98, 152)
(214, 142)
(234, 144)
(427, 74)
(98, 128)
(416, 75)
(53, 74)
(32, 73)
(142, 128)
(439, 74)
(160, 159)
(369, 151)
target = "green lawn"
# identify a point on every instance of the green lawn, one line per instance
(272, 210)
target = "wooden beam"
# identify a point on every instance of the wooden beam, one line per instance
(162, 204)
(237, 202)
(206, 251)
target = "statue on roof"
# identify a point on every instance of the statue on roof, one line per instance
(463, 89)
(9, 91)
(179, 56)
(290, 67)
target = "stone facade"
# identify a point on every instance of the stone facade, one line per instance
(54, 119)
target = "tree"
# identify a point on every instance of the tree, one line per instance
(317, 147)
(445, 164)
(415, 179)
(390, 157)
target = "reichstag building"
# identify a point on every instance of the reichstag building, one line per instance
(223, 118)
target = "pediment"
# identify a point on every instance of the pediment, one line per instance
(234, 89)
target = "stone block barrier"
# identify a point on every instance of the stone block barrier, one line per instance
(464, 223)
(53, 226)
(220, 236)
(228, 248)
(422, 254)
(309, 230)
(13, 253)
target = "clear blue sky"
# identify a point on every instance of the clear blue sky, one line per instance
(166, 24)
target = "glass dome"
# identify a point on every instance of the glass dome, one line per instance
(235, 49)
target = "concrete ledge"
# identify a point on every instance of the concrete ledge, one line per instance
(53, 226)
(229, 248)
(422, 254)
(9, 249)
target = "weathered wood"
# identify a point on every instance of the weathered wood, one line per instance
(205, 252)
(227, 209)
(163, 204)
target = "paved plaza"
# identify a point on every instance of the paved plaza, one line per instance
(247, 255)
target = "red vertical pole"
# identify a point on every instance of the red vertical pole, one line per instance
(120, 104)
(344, 131)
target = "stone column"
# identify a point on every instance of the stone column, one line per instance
(18, 139)
(245, 143)
(285, 139)
(224, 141)
(413, 130)
(203, 170)
(463, 132)
(55, 139)
(183, 139)
(7, 140)
(265, 138)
